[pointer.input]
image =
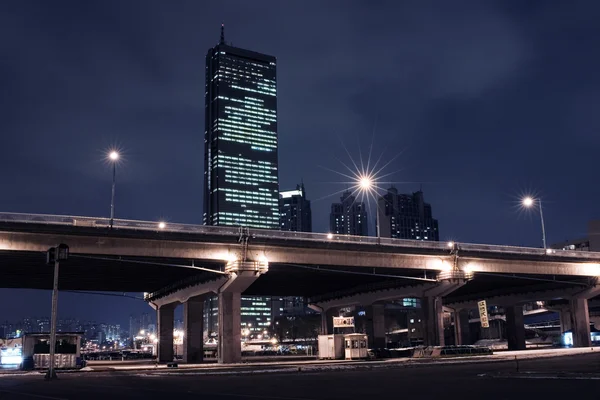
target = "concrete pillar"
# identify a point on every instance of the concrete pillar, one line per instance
(193, 330)
(376, 326)
(565, 319)
(515, 328)
(433, 319)
(165, 319)
(230, 328)
(327, 321)
(580, 321)
(462, 333)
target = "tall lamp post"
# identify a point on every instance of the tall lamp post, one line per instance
(366, 184)
(113, 157)
(53, 257)
(530, 202)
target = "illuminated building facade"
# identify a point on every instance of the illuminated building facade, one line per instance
(406, 216)
(349, 217)
(256, 315)
(240, 162)
(295, 210)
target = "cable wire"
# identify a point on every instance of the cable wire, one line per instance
(359, 273)
(531, 279)
(104, 294)
(149, 263)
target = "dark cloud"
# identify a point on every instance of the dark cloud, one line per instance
(484, 100)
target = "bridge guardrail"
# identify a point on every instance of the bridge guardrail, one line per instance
(102, 222)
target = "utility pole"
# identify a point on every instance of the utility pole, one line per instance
(54, 256)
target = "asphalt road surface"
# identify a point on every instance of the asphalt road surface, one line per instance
(555, 378)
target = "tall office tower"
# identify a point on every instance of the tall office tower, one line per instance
(296, 216)
(240, 137)
(349, 217)
(406, 216)
(295, 211)
(241, 186)
(211, 316)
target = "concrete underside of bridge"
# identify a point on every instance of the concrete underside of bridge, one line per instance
(168, 268)
(28, 270)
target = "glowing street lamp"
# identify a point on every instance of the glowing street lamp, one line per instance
(367, 184)
(162, 225)
(113, 156)
(530, 202)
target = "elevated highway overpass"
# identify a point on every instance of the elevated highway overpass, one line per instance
(180, 263)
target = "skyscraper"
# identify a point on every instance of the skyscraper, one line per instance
(349, 217)
(240, 138)
(406, 216)
(295, 211)
(241, 184)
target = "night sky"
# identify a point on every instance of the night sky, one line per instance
(485, 101)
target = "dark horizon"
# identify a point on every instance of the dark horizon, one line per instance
(484, 102)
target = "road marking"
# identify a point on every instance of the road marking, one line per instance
(250, 396)
(255, 396)
(38, 396)
(555, 377)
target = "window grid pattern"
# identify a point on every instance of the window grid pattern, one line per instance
(241, 173)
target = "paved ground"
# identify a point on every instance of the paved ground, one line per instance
(551, 378)
(305, 362)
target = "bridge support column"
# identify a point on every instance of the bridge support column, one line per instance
(165, 319)
(376, 326)
(193, 330)
(433, 320)
(580, 317)
(230, 330)
(564, 314)
(327, 321)
(515, 328)
(462, 333)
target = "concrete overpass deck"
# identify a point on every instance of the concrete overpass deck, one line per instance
(135, 256)
(181, 264)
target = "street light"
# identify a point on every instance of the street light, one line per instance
(54, 256)
(529, 202)
(113, 156)
(367, 184)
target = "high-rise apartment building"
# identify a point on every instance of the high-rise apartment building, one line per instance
(240, 137)
(406, 216)
(349, 217)
(294, 208)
